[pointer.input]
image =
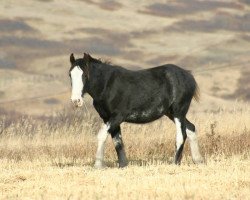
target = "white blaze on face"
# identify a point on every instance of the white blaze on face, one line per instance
(77, 86)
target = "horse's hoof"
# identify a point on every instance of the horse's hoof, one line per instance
(99, 165)
(123, 164)
(199, 161)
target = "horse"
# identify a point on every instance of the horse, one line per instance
(142, 96)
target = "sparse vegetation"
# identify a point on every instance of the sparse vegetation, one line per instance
(53, 157)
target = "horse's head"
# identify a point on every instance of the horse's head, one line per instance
(78, 74)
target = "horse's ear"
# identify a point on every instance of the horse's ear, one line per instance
(87, 58)
(85, 55)
(72, 58)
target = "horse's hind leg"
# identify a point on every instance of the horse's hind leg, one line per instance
(180, 138)
(119, 147)
(195, 152)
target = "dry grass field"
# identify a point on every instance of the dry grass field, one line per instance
(47, 148)
(53, 159)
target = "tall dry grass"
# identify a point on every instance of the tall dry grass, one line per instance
(38, 152)
(71, 134)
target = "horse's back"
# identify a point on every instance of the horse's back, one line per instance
(146, 95)
(165, 80)
(169, 77)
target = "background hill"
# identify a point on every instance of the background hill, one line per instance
(211, 38)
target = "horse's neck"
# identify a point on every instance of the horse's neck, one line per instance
(97, 80)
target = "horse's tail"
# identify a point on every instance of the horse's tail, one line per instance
(195, 87)
(196, 95)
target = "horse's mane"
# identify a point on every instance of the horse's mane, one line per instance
(101, 61)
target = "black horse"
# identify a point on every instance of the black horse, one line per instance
(120, 95)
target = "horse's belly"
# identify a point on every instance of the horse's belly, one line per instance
(145, 116)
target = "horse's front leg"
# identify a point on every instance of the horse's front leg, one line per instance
(112, 127)
(101, 139)
(119, 147)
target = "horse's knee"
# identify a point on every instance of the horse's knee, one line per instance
(118, 141)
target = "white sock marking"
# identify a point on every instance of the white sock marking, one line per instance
(101, 137)
(179, 136)
(195, 152)
(77, 85)
(118, 140)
